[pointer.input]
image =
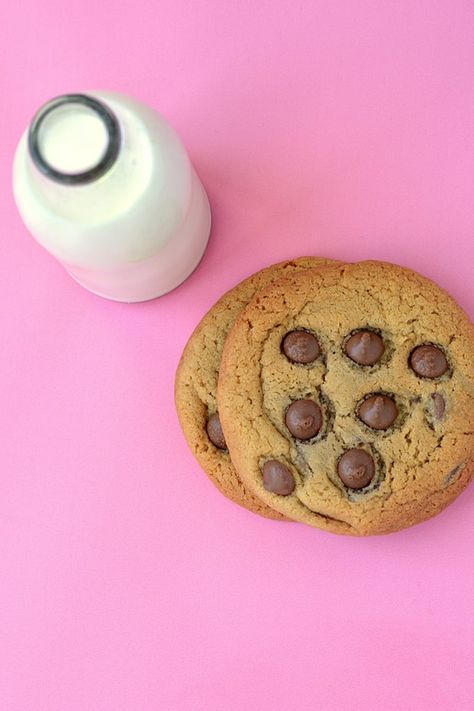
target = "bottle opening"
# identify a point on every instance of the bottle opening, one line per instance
(74, 139)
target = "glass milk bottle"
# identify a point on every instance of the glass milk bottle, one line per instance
(105, 185)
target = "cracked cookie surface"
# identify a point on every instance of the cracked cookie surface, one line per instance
(395, 441)
(196, 383)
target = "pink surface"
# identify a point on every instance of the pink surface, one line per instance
(126, 581)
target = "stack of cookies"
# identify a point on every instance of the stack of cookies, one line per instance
(336, 395)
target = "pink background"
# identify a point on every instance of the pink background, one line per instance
(127, 582)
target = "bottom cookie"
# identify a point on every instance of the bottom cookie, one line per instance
(196, 383)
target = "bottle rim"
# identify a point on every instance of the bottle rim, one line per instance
(112, 127)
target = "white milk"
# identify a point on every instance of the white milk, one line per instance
(73, 138)
(109, 190)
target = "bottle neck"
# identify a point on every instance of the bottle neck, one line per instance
(74, 139)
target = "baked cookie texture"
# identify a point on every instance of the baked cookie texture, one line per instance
(422, 455)
(196, 381)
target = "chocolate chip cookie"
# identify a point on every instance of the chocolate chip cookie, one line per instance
(347, 397)
(196, 384)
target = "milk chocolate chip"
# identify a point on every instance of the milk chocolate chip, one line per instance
(428, 361)
(301, 347)
(304, 419)
(454, 474)
(365, 347)
(378, 412)
(439, 405)
(215, 433)
(356, 468)
(277, 478)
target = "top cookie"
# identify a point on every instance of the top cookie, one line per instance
(347, 397)
(196, 383)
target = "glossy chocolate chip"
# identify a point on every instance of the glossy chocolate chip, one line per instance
(215, 433)
(378, 412)
(365, 347)
(304, 419)
(356, 468)
(454, 474)
(428, 361)
(277, 478)
(301, 347)
(439, 405)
